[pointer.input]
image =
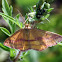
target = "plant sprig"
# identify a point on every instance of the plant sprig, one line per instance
(11, 21)
(41, 12)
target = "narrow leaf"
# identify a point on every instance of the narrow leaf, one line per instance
(8, 11)
(6, 8)
(10, 18)
(49, 10)
(45, 17)
(4, 47)
(5, 31)
(13, 53)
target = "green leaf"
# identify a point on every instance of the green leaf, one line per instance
(47, 5)
(4, 47)
(49, 10)
(13, 53)
(44, 17)
(26, 16)
(5, 31)
(7, 21)
(60, 44)
(10, 19)
(23, 54)
(17, 18)
(11, 9)
(6, 9)
(17, 21)
(32, 14)
(32, 9)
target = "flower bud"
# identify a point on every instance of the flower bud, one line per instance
(47, 5)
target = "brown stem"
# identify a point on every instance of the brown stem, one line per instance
(15, 60)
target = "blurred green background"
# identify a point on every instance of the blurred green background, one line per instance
(52, 54)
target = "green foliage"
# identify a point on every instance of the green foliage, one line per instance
(4, 47)
(25, 4)
(43, 10)
(45, 17)
(40, 12)
(13, 53)
(16, 20)
(7, 15)
(47, 5)
(8, 11)
(5, 31)
(5, 8)
(12, 22)
(49, 10)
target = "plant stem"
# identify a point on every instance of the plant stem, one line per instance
(40, 2)
(15, 60)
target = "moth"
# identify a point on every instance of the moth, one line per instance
(32, 38)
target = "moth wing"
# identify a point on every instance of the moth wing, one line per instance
(13, 41)
(36, 35)
(43, 39)
(51, 38)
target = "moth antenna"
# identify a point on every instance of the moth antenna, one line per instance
(21, 15)
(15, 60)
(26, 20)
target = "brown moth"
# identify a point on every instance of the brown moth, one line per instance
(32, 38)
